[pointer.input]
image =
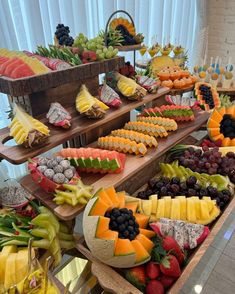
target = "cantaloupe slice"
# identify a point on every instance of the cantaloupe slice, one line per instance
(219, 137)
(226, 142)
(132, 206)
(148, 244)
(231, 110)
(121, 198)
(102, 225)
(141, 253)
(109, 235)
(148, 233)
(124, 247)
(112, 195)
(216, 116)
(212, 124)
(222, 110)
(104, 196)
(214, 132)
(142, 220)
(232, 142)
(99, 208)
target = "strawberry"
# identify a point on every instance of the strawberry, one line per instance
(170, 266)
(137, 276)
(154, 287)
(152, 270)
(170, 244)
(166, 281)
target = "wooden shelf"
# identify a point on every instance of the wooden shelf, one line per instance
(129, 48)
(28, 85)
(132, 166)
(80, 125)
(181, 91)
(227, 91)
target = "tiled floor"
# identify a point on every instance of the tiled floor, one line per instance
(215, 273)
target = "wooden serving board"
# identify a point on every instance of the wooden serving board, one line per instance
(80, 125)
(129, 47)
(181, 91)
(28, 85)
(129, 180)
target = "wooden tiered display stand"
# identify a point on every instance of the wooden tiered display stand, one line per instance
(36, 94)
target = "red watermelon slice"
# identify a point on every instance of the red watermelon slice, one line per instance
(95, 160)
(12, 66)
(22, 71)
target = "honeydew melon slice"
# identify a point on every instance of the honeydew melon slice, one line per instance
(148, 244)
(142, 254)
(146, 207)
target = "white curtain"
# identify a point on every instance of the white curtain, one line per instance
(24, 24)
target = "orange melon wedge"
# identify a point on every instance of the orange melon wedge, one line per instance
(121, 198)
(102, 226)
(109, 235)
(216, 116)
(124, 247)
(142, 220)
(104, 196)
(112, 195)
(148, 244)
(99, 208)
(226, 142)
(141, 253)
(132, 206)
(148, 233)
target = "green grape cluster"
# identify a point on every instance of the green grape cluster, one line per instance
(97, 45)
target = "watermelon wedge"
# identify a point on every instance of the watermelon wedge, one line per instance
(12, 66)
(22, 71)
(93, 160)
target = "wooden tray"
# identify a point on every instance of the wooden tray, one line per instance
(129, 47)
(28, 85)
(80, 125)
(181, 91)
(107, 276)
(132, 166)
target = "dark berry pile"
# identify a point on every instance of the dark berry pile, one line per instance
(128, 38)
(207, 95)
(227, 126)
(62, 34)
(174, 187)
(209, 161)
(123, 221)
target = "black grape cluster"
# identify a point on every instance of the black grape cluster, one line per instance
(62, 34)
(128, 38)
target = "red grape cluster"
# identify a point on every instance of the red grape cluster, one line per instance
(174, 187)
(209, 161)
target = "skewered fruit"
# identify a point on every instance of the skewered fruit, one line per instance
(129, 88)
(95, 160)
(59, 116)
(124, 245)
(167, 123)
(88, 105)
(221, 125)
(146, 128)
(122, 145)
(27, 130)
(191, 209)
(76, 193)
(148, 141)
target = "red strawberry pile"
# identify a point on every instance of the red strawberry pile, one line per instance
(156, 276)
(88, 56)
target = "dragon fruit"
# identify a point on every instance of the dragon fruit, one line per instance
(176, 112)
(183, 101)
(109, 96)
(151, 85)
(59, 116)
